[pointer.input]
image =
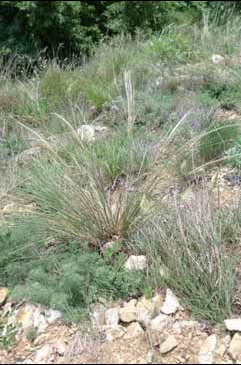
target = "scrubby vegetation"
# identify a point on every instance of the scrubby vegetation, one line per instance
(173, 121)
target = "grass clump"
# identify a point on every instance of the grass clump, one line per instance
(216, 140)
(121, 156)
(73, 203)
(190, 256)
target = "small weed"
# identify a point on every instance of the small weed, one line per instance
(8, 335)
(31, 334)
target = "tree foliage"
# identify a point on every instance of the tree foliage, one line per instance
(65, 28)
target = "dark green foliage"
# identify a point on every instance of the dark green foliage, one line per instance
(72, 27)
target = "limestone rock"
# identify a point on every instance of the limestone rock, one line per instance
(168, 345)
(53, 316)
(4, 292)
(112, 246)
(129, 312)
(39, 321)
(114, 332)
(60, 347)
(145, 311)
(112, 316)
(157, 301)
(159, 323)
(207, 349)
(217, 58)
(235, 347)
(135, 263)
(86, 133)
(43, 355)
(171, 304)
(134, 330)
(98, 316)
(25, 316)
(233, 325)
(221, 351)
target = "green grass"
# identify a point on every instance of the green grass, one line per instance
(122, 157)
(217, 140)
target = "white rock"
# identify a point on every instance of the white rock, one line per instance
(217, 58)
(135, 263)
(114, 332)
(39, 321)
(233, 324)
(171, 304)
(98, 316)
(159, 323)
(129, 312)
(168, 345)
(188, 324)
(134, 330)
(226, 340)
(86, 133)
(112, 316)
(112, 246)
(235, 347)
(60, 347)
(221, 351)
(145, 311)
(25, 316)
(53, 316)
(157, 301)
(207, 349)
(43, 355)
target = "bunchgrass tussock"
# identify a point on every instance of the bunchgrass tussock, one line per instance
(189, 254)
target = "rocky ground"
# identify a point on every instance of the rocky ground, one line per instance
(156, 330)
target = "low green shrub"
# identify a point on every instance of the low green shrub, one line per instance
(70, 279)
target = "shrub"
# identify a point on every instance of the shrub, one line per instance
(71, 280)
(68, 27)
(172, 47)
